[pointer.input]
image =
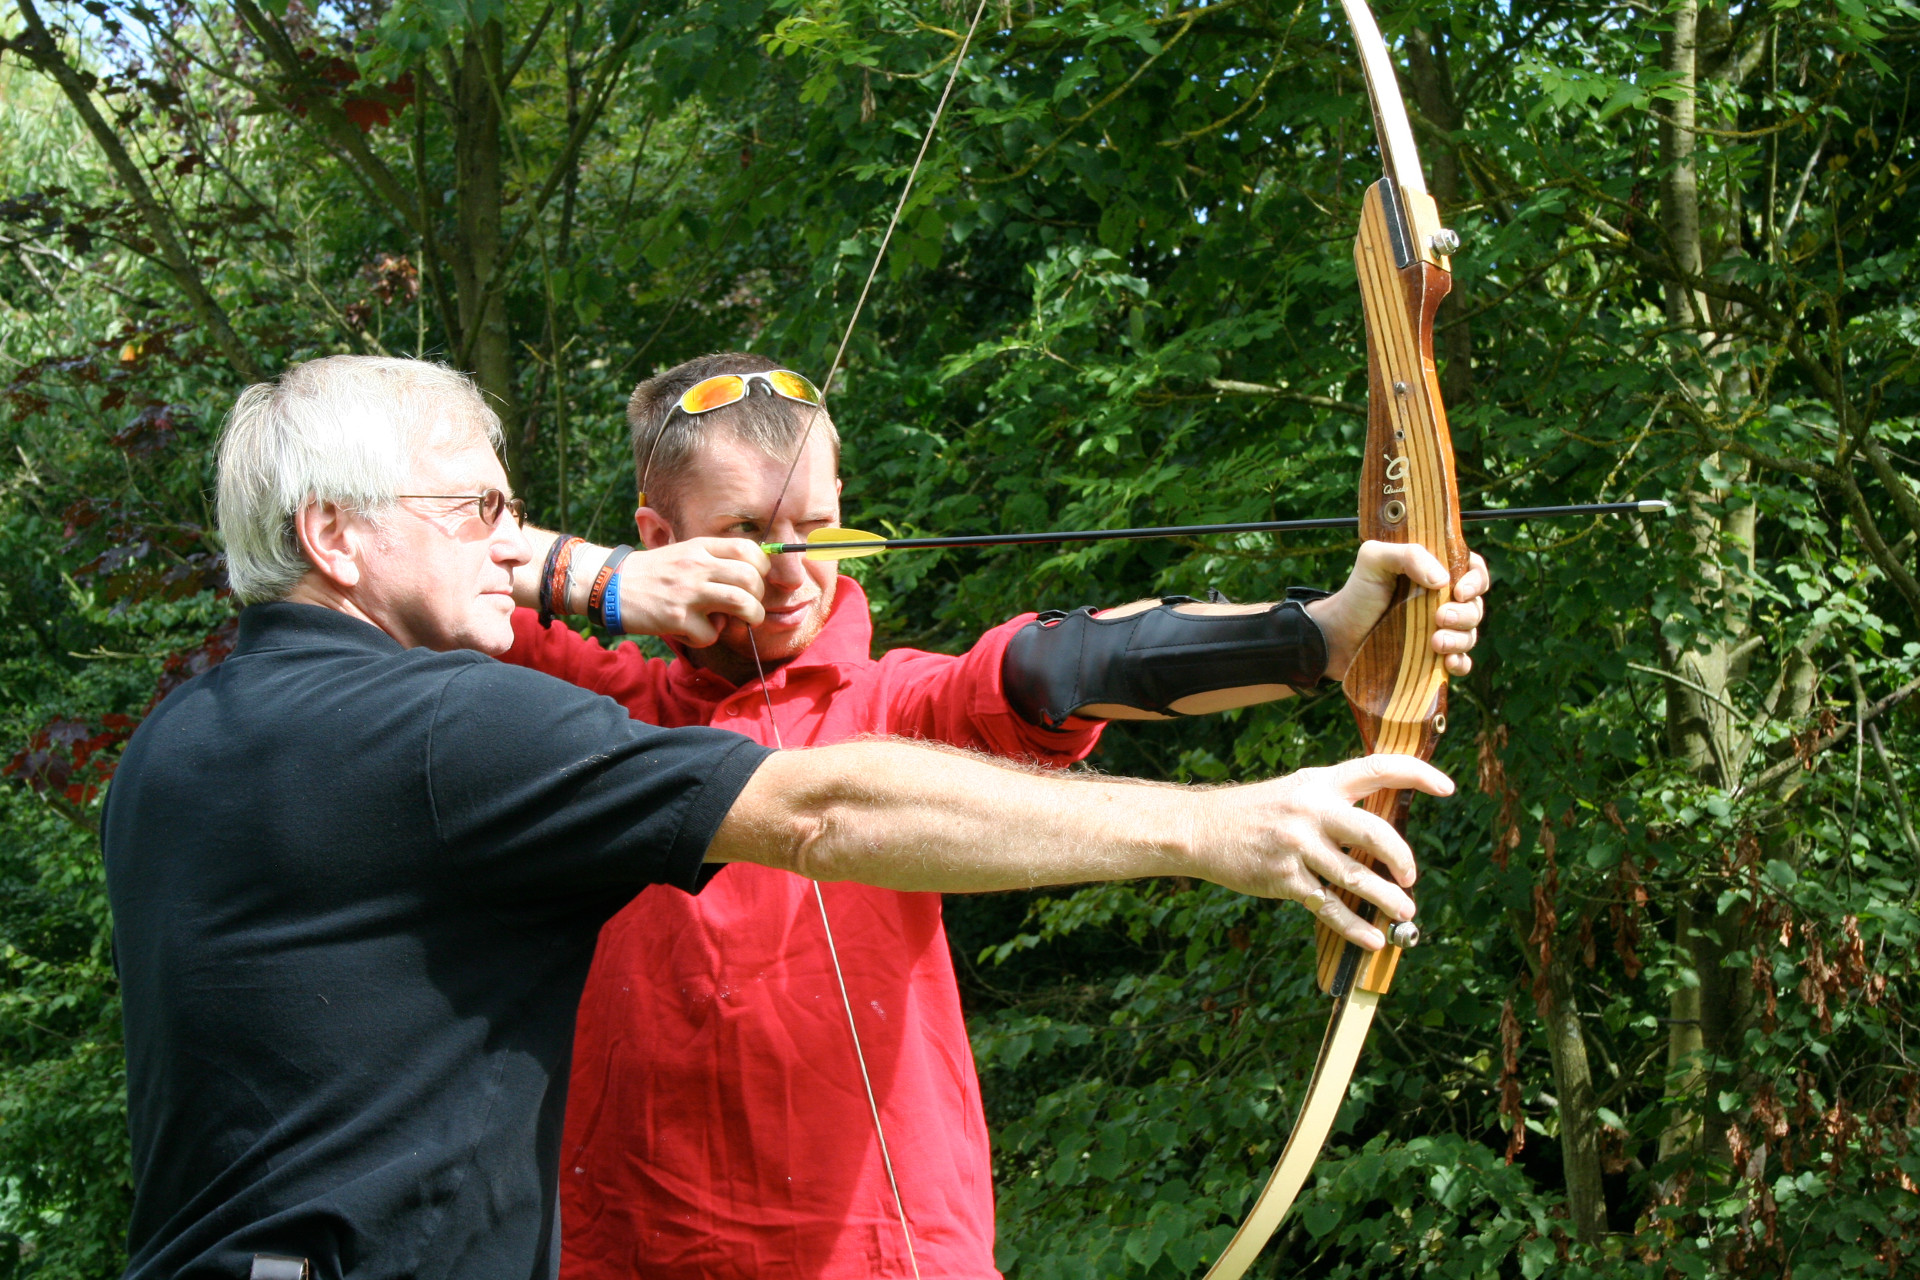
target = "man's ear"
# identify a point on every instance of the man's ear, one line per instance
(654, 530)
(331, 538)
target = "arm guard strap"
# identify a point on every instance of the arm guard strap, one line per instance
(1061, 662)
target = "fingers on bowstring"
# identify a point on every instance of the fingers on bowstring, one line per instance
(745, 551)
(741, 575)
(735, 602)
(700, 630)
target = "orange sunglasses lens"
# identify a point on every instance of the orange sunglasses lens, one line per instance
(730, 388)
(714, 393)
(793, 386)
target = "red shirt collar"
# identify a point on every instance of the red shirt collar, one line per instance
(846, 640)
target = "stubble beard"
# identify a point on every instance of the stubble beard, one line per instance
(742, 642)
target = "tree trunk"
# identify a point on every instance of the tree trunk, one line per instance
(1701, 729)
(1685, 1047)
(478, 192)
(1579, 1126)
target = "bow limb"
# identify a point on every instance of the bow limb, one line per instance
(1339, 1051)
(1396, 684)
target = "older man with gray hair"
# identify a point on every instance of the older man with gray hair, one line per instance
(358, 869)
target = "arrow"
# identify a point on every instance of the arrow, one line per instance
(850, 544)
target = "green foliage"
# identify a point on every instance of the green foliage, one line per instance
(1123, 294)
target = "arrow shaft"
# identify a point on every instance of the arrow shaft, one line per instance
(1196, 530)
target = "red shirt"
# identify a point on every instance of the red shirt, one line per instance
(716, 1125)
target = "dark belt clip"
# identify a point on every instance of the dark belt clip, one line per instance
(273, 1266)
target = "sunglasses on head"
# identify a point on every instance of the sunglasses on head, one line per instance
(724, 389)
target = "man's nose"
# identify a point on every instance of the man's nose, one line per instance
(509, 543)
(787, 570)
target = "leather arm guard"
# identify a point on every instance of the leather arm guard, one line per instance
(1061, 662)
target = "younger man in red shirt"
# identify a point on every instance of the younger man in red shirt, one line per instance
(723, 1121)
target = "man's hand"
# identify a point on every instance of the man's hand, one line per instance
(1303, 835)
(1346, 616)
(687, 590)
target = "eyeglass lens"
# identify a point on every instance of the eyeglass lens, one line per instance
(493, 502)
(793, 386)
(714, 393)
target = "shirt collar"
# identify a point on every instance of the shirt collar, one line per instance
(285, 624)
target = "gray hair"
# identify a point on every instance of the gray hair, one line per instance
(346, 430)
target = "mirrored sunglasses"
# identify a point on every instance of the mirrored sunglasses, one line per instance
(724, 389)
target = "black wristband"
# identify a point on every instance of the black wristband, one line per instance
(546, 581)
(602, 581)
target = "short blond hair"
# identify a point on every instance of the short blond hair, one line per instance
(666, 443)
(346, 430)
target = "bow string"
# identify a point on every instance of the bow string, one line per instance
(773, 720)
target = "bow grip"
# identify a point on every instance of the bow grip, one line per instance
(1396, 684)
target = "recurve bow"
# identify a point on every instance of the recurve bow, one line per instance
(1396, 685)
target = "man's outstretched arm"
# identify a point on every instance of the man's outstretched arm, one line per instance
(1196, 658)
(904, 816)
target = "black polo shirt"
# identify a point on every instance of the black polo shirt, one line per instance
(355, 893)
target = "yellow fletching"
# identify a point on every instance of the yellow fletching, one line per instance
(824, 544)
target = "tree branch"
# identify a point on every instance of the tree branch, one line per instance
(324, 111)
(1782, 768)
(40, 49)
(1231, 387)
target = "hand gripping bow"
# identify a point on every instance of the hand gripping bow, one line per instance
(1408, 493)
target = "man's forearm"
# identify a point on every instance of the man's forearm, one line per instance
(684, 590)
(1156, 659)
(905, 816)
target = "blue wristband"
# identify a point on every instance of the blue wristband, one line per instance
(610, 608)
(603, 600)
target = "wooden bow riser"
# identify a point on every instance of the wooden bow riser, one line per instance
(1396, 684)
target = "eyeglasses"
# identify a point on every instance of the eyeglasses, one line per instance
(724, 389)
(489, 504)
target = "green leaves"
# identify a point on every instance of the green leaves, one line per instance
(1124, 294)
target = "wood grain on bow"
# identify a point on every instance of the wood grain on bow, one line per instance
(1396, 684)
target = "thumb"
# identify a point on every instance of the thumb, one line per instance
(1386, 560)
